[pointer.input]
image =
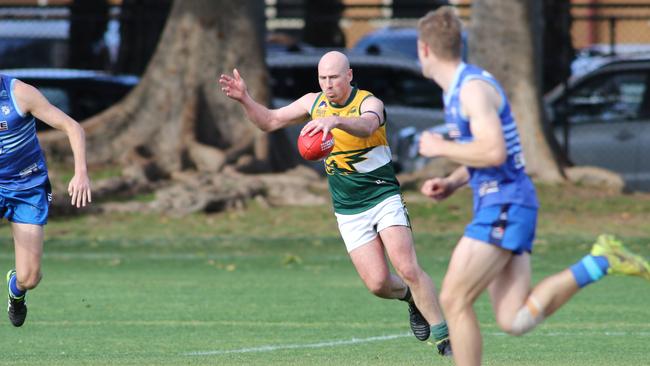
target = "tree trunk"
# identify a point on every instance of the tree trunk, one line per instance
(502, 41)
(177, 118)
(322, 23)
(558, 46)
(177, 128)
(88, 21)
(141, 23)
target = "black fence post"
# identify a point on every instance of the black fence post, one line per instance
(612, 36)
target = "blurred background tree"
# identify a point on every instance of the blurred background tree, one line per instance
(177, 126)
(88, 21)
(141, 24)
(510, 28)
(322, 23)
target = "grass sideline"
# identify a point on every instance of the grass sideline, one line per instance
(275, 287)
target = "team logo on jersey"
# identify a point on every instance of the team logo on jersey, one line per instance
(29, 170)
(454, 132)
(5, 109)
(497, 233)
(519, 160)
(4, 126)
(488, 188)
(321, 110)
(343, 163)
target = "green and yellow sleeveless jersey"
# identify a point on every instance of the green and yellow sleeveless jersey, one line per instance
(359, 169)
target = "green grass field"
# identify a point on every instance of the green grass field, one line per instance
(275, 287)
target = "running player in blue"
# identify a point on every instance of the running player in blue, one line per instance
(24, 186)
(494, 252)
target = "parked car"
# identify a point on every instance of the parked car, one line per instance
(389, 41)
(78, 93)
(603, 119)
(38, 36)
(395, 41)
(597, 55)
(412, 102)
(28, 42)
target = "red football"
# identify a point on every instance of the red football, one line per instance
(313, 147)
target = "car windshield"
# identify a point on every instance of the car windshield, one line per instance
(608, 98)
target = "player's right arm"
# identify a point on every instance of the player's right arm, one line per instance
(31, 101)
(266, 119)
(440, 188)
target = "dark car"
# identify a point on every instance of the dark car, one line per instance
(389, 40)
(395, 41)
(78, 93)
(603, 119)
(412, 102)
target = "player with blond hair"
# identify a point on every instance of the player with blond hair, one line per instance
(494, 252)
(24, 186)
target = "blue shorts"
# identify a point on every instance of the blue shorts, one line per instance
(29, 206)
(510, 227)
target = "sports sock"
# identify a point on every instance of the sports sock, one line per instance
(440, 331)
(407, 297)
(13, 288)
(589, 269)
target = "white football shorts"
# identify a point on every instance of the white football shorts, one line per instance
(361, 228)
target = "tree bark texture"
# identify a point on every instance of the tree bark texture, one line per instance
(177, 134)
(177, 118)
(502, 41)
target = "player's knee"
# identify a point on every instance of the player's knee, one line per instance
(29, 280)
(409, 273)
(516, 330)
(523, 322)
(509, 328)
(452, 302)
(377, 286)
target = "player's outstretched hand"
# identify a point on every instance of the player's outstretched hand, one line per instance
(437, 189)
(79, 190)
(233, 86)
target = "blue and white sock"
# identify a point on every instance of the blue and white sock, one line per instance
(589, 269)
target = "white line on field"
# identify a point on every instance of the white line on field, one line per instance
(271, 348)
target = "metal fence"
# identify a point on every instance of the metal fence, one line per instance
(602, 27)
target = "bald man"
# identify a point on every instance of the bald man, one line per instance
(368, 205)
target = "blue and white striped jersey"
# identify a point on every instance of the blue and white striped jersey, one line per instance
(508, 182)
(22, 164)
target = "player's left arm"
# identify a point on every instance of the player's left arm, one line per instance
(30, 100)
(369, 120)
(480, 102)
